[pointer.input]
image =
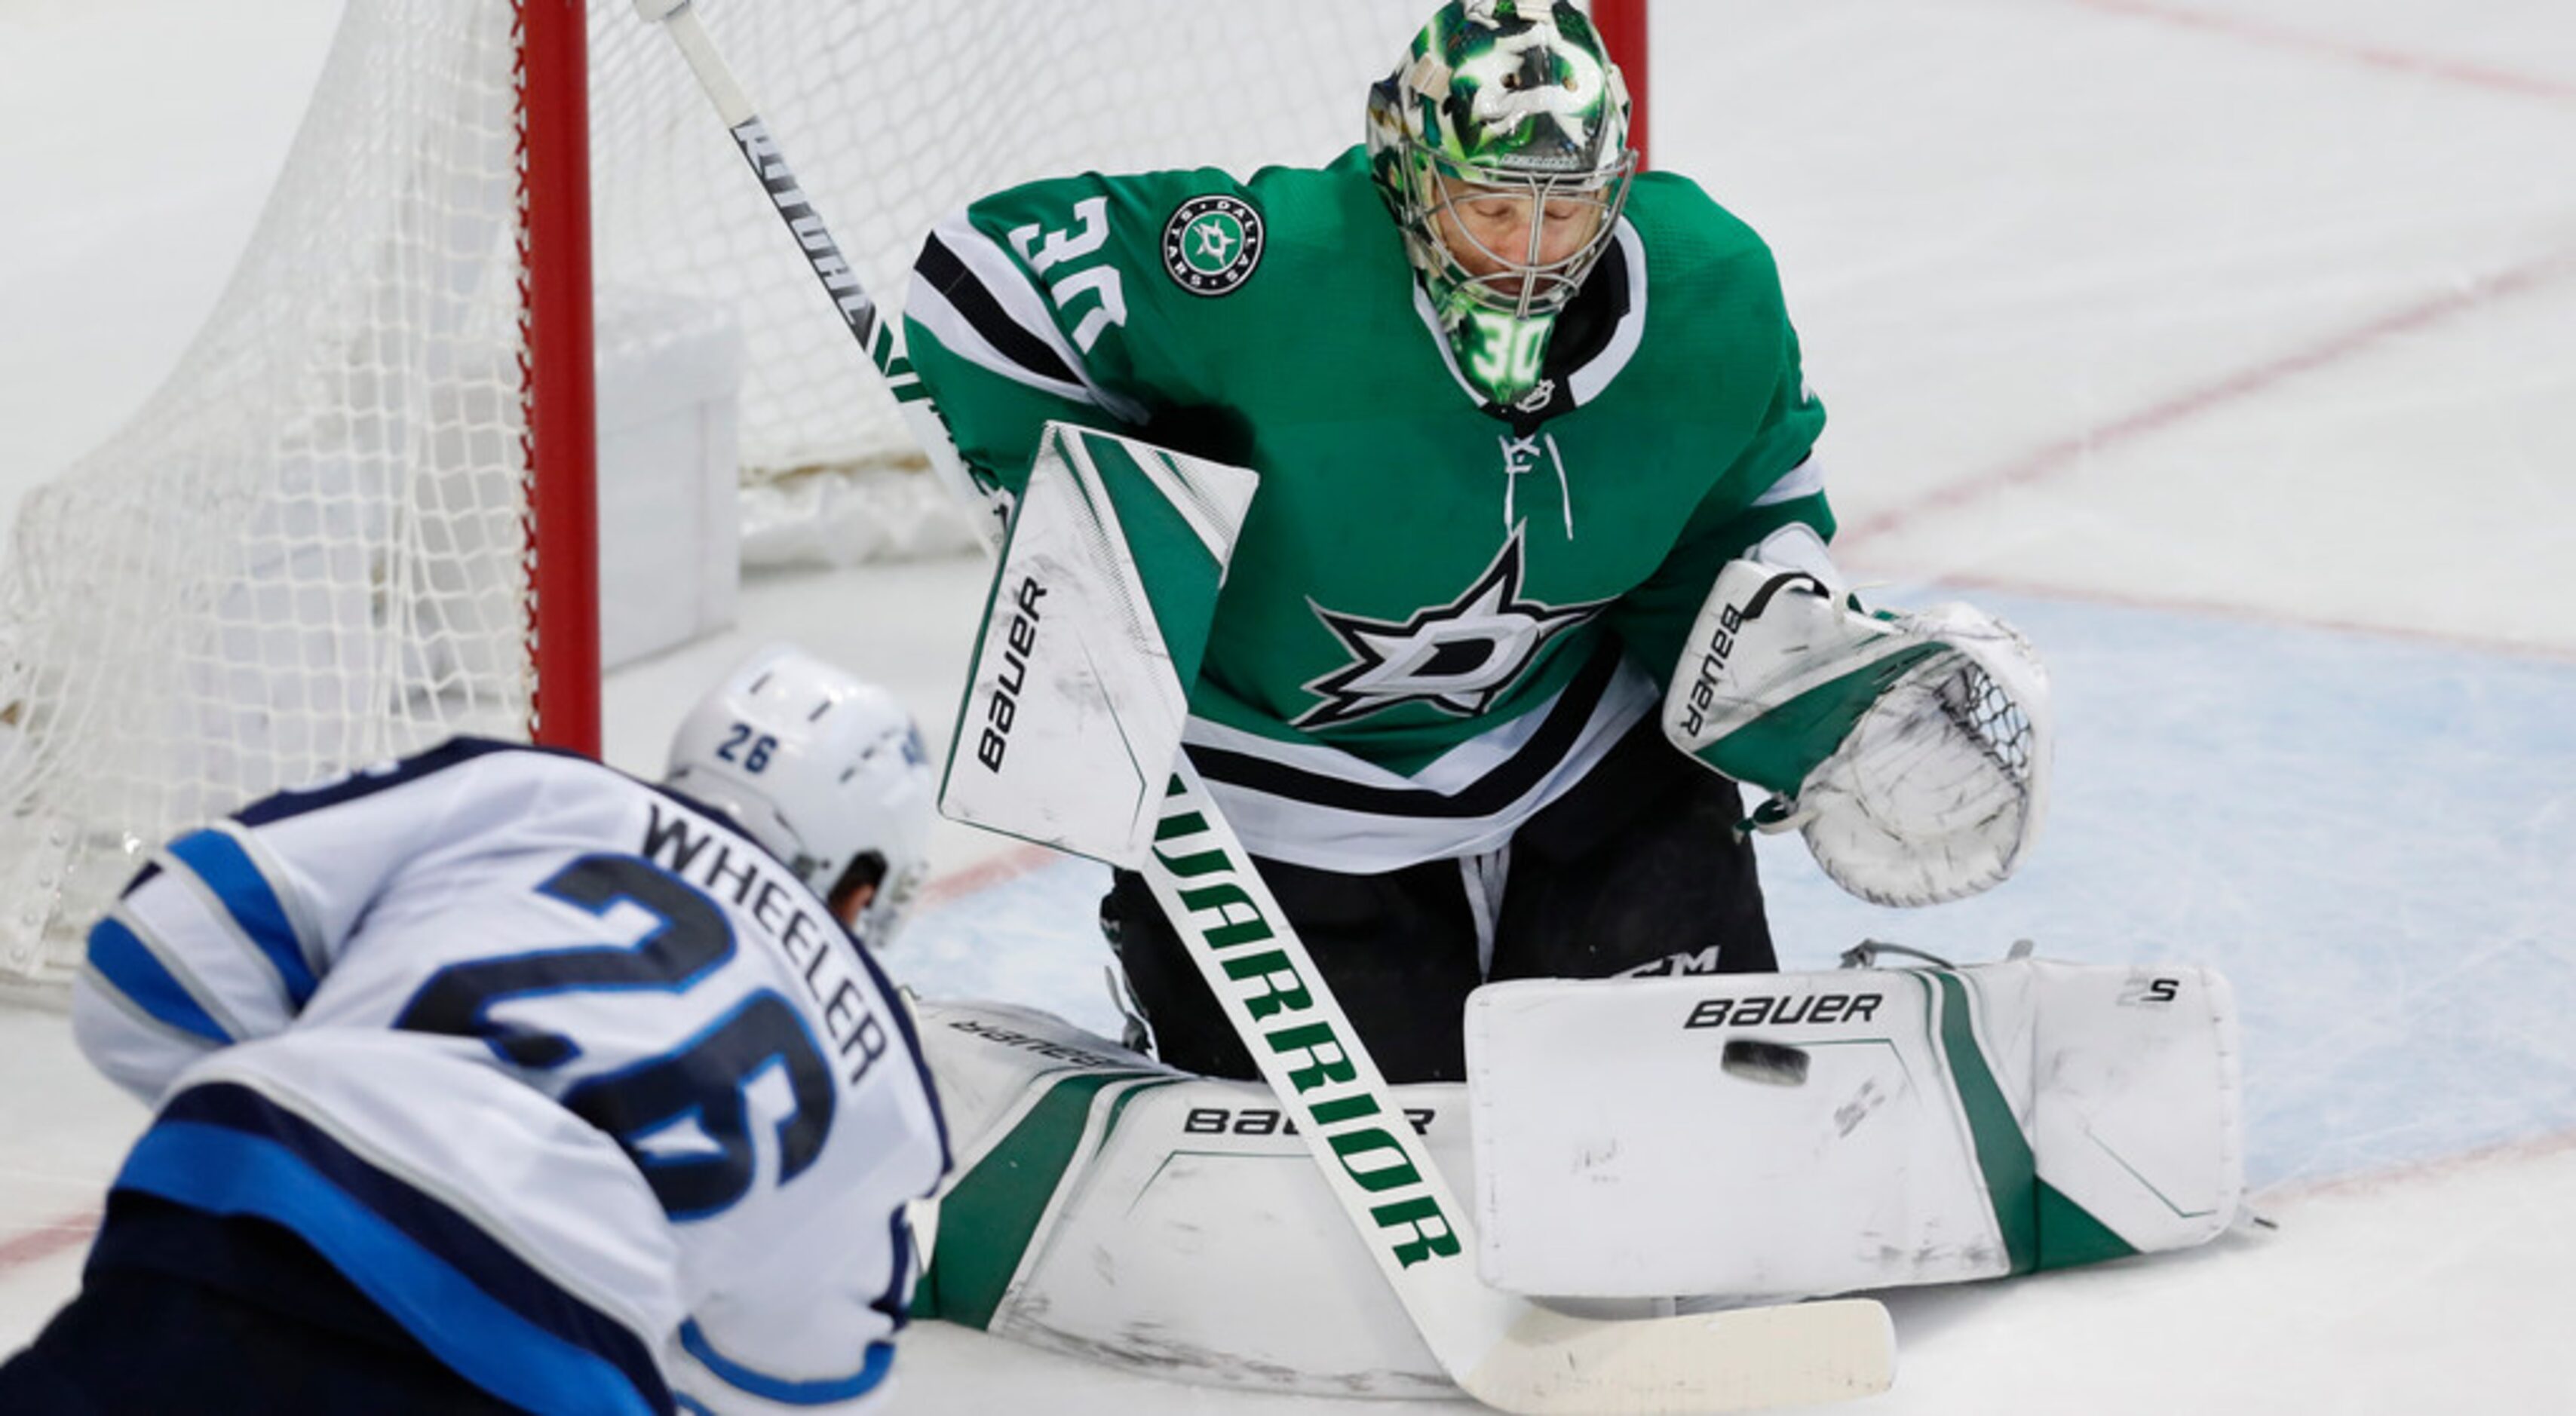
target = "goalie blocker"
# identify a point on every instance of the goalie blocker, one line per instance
(1911, 750)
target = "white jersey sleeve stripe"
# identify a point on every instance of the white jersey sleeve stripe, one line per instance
(191, 929)
(1804, 480)
(121, 961)
(255, 909)
(129, 1046)
(1588, 381)
(979, 305)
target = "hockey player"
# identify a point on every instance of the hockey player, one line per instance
(495, 1080)
(1513, 405)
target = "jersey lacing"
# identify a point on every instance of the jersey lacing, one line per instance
(1519, 454)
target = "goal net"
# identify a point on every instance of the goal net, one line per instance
(309, 550)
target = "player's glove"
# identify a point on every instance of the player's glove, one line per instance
(1911, 750)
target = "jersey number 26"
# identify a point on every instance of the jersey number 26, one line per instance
(702, 1079)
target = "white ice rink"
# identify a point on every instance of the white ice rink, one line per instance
(2228, 346)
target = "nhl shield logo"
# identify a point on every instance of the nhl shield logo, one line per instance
(1212, 243)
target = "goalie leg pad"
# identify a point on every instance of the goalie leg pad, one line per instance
(1650, 1138)
(1113, 1209)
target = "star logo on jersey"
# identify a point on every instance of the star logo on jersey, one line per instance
(1212, 244)
(1457, 657)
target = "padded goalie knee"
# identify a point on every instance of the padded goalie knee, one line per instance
(1911, 750)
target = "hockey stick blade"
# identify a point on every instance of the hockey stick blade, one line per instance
(1801, 1354)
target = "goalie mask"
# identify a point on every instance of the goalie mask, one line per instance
(824, 769)
(1501, 146)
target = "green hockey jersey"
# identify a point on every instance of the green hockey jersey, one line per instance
(1440, 611)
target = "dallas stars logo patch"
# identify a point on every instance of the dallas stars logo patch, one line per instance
(1457, 657)
(1212, 243)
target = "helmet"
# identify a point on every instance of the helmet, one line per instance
(826, 770)
(1507, 100)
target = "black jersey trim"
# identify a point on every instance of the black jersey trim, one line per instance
(187, 1157)
(367, 781)
(957, 284)
(1493, 792)
(1591, 318)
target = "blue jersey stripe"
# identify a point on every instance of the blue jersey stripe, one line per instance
(125, 964)
(896, 1301)
(226, 1149)
(788, 1391)
(247, 895)
(903, 1023)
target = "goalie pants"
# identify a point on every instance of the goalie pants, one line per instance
(1637, 870)
(186, 1312)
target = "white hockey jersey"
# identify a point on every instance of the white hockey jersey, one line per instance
(575, 1080)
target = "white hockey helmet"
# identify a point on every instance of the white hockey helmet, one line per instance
(825, 769)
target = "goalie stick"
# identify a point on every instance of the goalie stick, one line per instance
(1504, 1350)
(867, 324)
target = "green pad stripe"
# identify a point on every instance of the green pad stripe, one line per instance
(988, 1219)
(1180, 574)
(2003, 1153)
(1777, 750)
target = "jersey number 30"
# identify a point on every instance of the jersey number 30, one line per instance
(701, 1080)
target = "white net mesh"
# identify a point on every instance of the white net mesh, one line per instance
(894, 113)
(305, 552)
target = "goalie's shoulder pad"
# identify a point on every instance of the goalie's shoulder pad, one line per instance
(1776, 672)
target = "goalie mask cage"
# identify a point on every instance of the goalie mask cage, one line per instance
(356, 517)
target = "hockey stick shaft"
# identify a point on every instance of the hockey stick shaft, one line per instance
(1502, 1349)
(867, 324)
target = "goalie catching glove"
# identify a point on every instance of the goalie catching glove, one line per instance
(1911, 750)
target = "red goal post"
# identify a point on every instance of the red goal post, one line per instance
(1623, 28)
(560, 395)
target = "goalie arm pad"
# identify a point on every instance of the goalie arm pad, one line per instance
(1910, 749)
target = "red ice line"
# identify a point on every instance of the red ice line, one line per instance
(2535, 1149)
(1011, 864)
(48, 1239)
(2214, 609)
(2069, 453)
(2397, 61)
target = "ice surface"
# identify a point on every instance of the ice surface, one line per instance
(2230, 350)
